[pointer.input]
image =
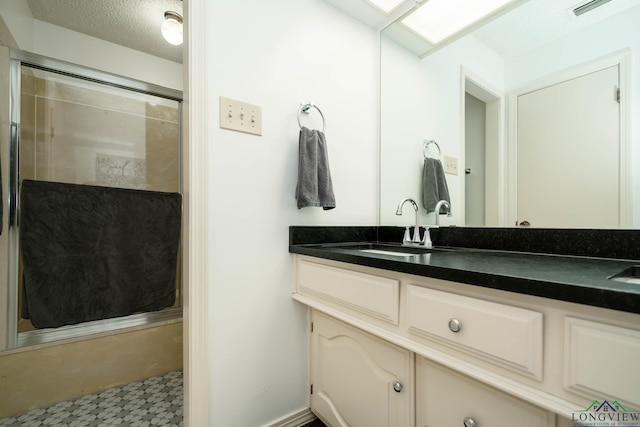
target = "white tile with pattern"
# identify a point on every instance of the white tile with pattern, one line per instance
(156, 401)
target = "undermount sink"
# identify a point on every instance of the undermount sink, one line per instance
(629, 275)
(385, 249)
(391, 253)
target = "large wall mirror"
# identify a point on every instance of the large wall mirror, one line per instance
(539, 108)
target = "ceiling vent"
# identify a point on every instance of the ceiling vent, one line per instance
(589, 6)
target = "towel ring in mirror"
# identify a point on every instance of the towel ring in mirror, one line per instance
(425, 148)
(305, 107)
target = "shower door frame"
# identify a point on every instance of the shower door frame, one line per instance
(14, 339)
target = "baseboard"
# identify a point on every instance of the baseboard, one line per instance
(294, 419)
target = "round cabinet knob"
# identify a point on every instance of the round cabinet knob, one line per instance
(455, 325)
(397, 386)
(469, 422)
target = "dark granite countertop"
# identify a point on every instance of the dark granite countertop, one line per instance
(565, 277)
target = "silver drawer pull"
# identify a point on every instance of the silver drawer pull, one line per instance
(469, 422)
(455, 326)
(397, 386)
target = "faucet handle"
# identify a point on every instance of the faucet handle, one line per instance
(426, 239)
(407, 235)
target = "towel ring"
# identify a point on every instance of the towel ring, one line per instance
(304, 108)
(425, 148)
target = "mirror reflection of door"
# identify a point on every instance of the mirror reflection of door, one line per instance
(474, 155)
(482, 109)
(570, 126)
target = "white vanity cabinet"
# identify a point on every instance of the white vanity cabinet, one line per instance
(502, 334)
(358, 379)
(446, 398)
(354, 292)
(460, 352)
(602, 359)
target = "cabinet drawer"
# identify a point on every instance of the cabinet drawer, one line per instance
(445, 398)
(601, 361)
(508, 336)
(365, 293)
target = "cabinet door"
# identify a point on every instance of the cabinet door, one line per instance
(602, 360)
(445, 398)
(353, 375)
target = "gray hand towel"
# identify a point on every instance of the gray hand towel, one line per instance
(434, 185)
(314, 178)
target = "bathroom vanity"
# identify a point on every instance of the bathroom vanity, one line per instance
(463, 335)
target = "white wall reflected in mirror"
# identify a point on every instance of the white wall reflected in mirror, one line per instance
(424, 99)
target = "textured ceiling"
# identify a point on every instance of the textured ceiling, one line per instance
(131, 23)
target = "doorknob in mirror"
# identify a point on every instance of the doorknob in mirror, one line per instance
(469, 422)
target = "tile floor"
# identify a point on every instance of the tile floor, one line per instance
(156, 401)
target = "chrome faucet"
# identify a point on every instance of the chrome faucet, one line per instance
(407, 239)
(446, 205)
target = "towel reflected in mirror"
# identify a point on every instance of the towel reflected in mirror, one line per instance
(434, 185)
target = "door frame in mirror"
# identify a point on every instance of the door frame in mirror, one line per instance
(622, 60)
(474, 85)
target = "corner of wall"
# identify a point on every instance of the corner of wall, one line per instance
(18, 24)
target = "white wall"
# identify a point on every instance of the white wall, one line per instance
(421, 99)
(56, 42)
(78, 48)
(277, 54)
(17, 16)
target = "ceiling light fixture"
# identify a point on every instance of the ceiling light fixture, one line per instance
(438, 19)
(172, 28)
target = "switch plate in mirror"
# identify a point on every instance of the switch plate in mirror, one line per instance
(450, 165)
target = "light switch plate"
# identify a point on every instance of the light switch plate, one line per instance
(240, 116)
(450, 165)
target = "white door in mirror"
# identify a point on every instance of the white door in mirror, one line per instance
(570, 127)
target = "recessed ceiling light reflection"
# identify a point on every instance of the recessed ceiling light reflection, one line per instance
(438, 19)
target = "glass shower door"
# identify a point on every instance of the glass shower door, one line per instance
(76, 129)
(81, 132)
